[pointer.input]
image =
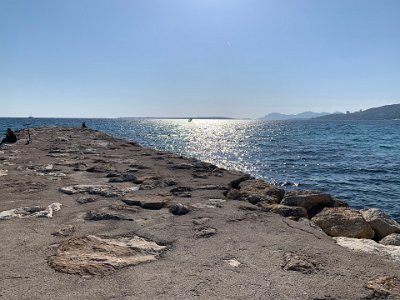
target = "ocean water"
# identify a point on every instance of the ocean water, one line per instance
(358, 162)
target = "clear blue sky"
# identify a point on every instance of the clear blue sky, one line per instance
(238, 58)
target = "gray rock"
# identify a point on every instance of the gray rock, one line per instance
(84, 200)
(298, 263)
(178, 209)
(206, 232)
(66, 230)
(262, 190)
(344, 222)
(235, 183)
(181, 191)
(380, 222)
(147, 202)
(102, 215)
(125, 178)
(312, 201)
(391, 239)
(284, 210)
(233, 194)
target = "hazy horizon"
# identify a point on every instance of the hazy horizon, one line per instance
(229, 58)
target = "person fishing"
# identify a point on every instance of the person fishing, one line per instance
(10, 137)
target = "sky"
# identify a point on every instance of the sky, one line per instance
(172, 58)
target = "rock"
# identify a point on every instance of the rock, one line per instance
(182, 191)
(339, 203)
(151, 184)
(200, 221)
(299, 263)
(385, 287)
(380, 222)
(262, 190)
(233, 262)
(215, 202)
(369, 246)
(212, 187)
(34, 211)
(125, 178)
(235, 183)
(391, 239)
(233, 194)
(3, 172)
(66, 230)
(92, 255)
(178, 209)
(284, 210)
(101, 169)
(84, 200)
(183, 166)
(312, 201)
(343, 221)
(147, 202)
(206, 232)
(103, 215)
(102, 190)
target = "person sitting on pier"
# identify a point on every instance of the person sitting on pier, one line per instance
(10, 137)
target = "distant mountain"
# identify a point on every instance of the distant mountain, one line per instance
(301, 116)
(387, 112)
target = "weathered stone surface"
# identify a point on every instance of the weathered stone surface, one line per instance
(385, 287)
(66, 230)
(3, 172)
(391, 239)
(250, 189)
(200, 221)
(206, 232)
(215, 202)
(125, 178)
(343, 221)
(179, 209)
(233, 262)
(233, 194)
(147, 202)
(182, 166)
(92, 255)
(153, 183)
(100, 215)
(369, 246)
(312, 201)
(101, 169)
(87, 199)
(298, 263)
(235, 183)
(182, 191)
(284, 210)
(380, 222)
(102, 190)
(34, 211)
(212, 187)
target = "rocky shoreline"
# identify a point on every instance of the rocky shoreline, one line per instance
(104, 218)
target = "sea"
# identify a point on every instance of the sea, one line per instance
(355, 161)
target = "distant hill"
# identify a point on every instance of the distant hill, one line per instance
(387, 112)
(301, 116)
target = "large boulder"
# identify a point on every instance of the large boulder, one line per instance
(391, 239)
(343, 221)
(380, 222)
(285, 211)
(369, 246)
(312, 201)
(256, 191)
